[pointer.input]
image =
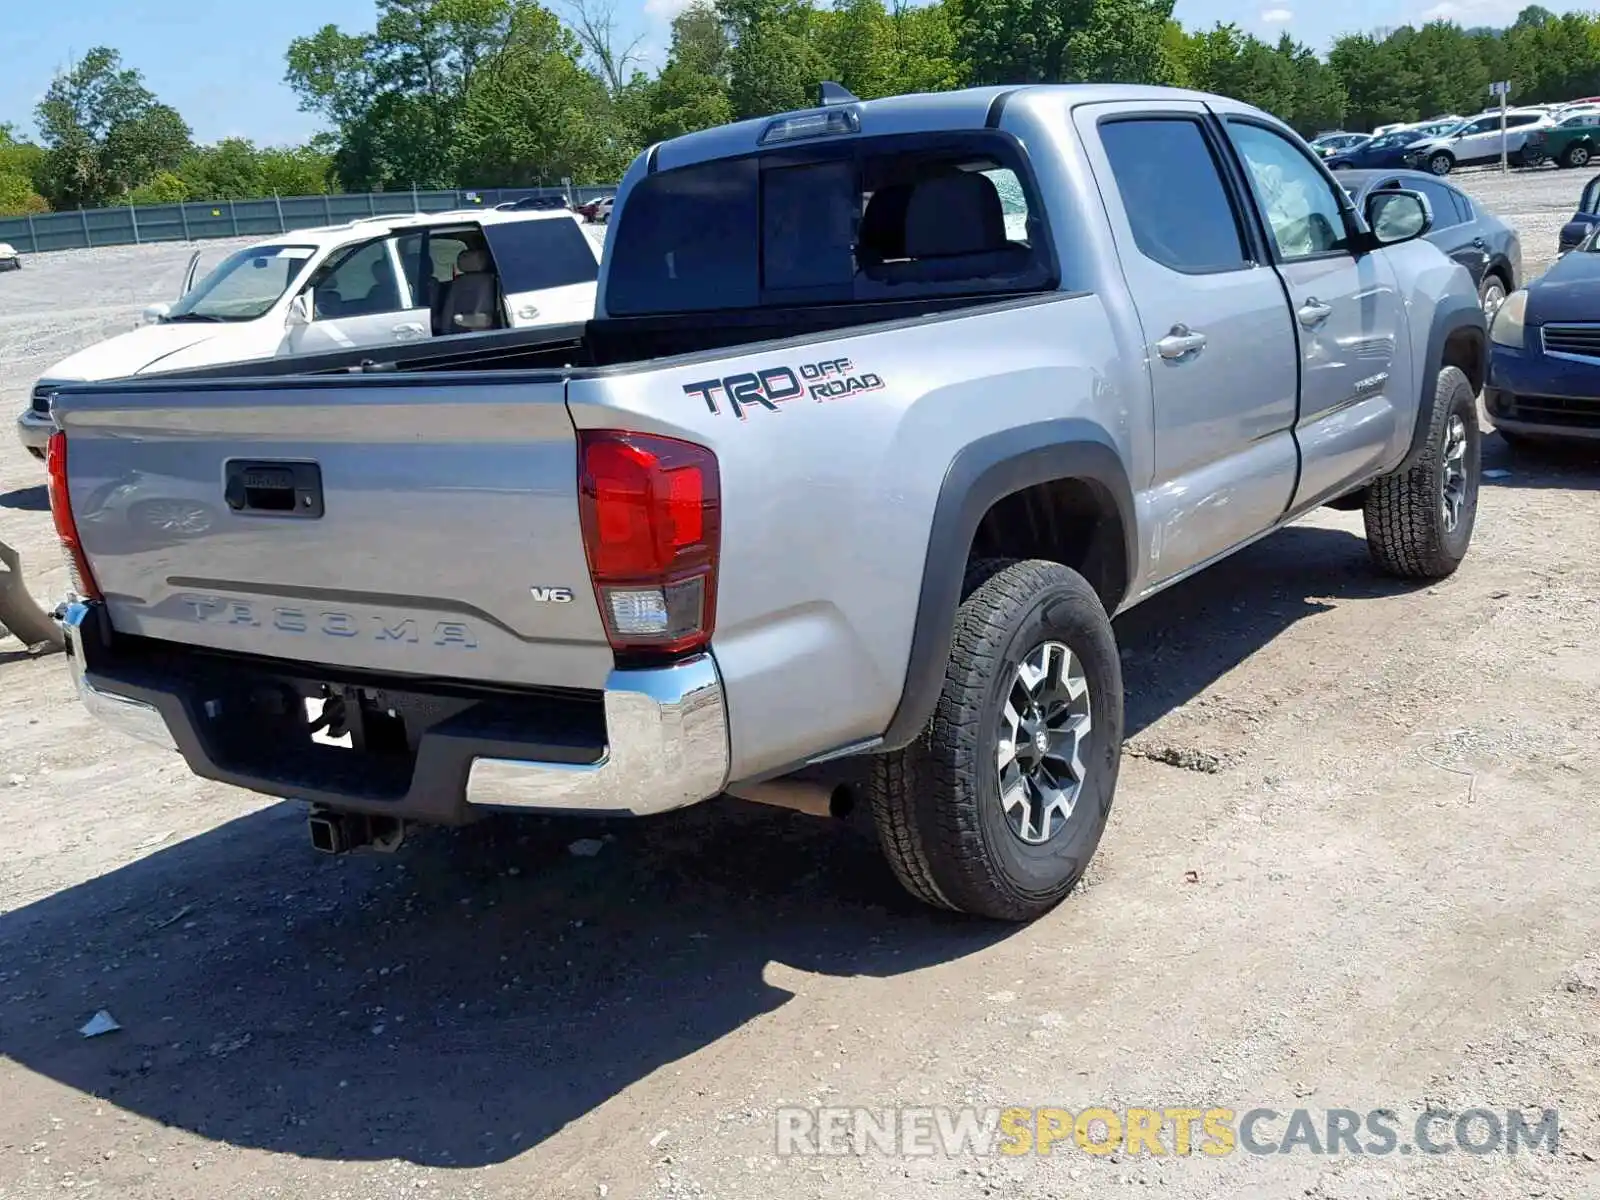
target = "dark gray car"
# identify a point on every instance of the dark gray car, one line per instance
(1476, 239)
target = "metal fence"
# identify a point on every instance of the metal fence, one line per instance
(131, 225)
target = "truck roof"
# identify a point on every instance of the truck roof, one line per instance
(919, 112)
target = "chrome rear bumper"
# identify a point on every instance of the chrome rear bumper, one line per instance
(666, 741)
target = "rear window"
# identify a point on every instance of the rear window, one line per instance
(532, 255)
(867, 219)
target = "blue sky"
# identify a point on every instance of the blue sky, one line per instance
(220, 62)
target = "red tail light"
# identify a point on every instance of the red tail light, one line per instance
(651, 512)
(55, 463)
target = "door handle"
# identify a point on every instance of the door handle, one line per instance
(1180, 342)
(1313, 313)
(410, 329)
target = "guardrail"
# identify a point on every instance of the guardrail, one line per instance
(198, 219)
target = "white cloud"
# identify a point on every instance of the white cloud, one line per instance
(1277, 16)
(665, 9)
(1468, 12)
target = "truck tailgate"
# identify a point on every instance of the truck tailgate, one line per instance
(421, 527)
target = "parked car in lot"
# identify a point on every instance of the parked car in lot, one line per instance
(1544, 379)
(364, 283)
(1477, 141)
(1584, 220)
(1433, 126)
(1329, 144)
(10, 260)
(1571, 141)
(1478, 240)
(841, 470)
(1380, 153)
(591, 211)
(535, 204)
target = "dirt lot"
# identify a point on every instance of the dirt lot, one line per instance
(1373, 885)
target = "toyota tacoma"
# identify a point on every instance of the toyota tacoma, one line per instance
(886, 409)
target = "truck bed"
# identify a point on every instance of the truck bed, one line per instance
(605, 343)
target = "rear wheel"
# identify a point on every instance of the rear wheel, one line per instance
(998, 807)
(1577, 155)
(1419, 521)
(1441, 162)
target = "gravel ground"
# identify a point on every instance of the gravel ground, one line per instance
(1347, 869)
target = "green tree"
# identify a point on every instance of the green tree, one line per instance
(162, 188)
(105, 131)
(295, 170)
(1054, 41)
(925, 47)
(776, 60)
(692, 90)
(430, 96)
(856, 42)
(535, 115)
(229, 170)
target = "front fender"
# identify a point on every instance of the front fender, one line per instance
(1456, 323)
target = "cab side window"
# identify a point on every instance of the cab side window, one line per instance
(1304, 215)
(1192, 229)
(357, 282)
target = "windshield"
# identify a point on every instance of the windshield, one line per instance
(244, 285)
(1390, 140)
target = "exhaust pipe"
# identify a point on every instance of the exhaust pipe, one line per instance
(334, 832)
(813, 799)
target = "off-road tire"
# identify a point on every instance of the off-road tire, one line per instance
(1441, 163)
(1404, 513)
(936, 803)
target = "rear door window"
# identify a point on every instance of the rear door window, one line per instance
(1194, 228)
(538, 254)
(1440, 200)
(867, 219)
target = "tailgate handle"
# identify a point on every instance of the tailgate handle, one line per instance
(273, 489)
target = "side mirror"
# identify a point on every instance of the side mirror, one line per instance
(154, 314)
(299, 312)
(1395, 216)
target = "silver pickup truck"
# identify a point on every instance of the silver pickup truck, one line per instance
(886, 409)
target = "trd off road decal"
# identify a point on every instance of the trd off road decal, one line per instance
(831, 379)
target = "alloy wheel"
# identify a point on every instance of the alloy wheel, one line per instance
(1044, 728)
(1453, 487)
(1494, 295)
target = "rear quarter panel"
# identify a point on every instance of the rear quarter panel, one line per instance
(828, 495)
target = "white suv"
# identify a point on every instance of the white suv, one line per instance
(1477, 140)
(345, 286)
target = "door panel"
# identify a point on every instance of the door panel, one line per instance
(1346, 309)
(358, 298)
(1218, 341)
